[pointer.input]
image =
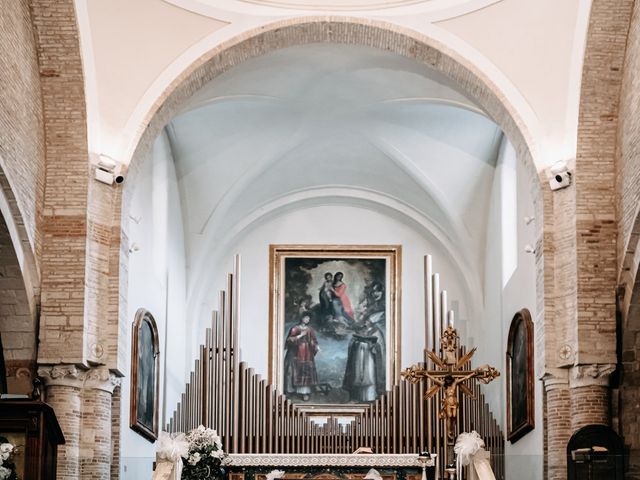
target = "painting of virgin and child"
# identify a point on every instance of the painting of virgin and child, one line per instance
(336, 327)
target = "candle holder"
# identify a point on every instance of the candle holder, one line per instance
(426, 459)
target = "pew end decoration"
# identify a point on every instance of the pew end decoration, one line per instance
(194, 456)
(205, 457)
(171, 449)
(470, 453)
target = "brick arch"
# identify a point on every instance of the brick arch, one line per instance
(301, 31)
(15, 227)
(588, 275)
(628, 194)
(18, 317)
(409, 44)
(380, 35)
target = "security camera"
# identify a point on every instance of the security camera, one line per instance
(560, 176)
(109, 171)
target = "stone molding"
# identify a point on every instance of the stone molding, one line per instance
(595, 374)
(326, 460)
(61, 376)
(556, 380)
(102, 379)
(99, 378)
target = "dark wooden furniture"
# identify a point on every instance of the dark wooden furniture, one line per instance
(33, 426)
(595, 452)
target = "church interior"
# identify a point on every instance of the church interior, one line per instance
(317, 227)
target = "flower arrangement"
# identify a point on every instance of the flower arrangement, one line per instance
(205, 457)
(7, 467)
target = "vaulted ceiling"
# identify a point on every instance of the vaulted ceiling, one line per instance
(307, 118)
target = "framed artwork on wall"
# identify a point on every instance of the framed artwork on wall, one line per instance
(520, 377)
(334, 322)
(145, 376)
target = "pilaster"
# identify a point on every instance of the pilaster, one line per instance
(63, 392)
(589, 386)
(558, 413)
(82, 402)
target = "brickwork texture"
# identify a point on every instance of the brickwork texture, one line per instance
(73, 225)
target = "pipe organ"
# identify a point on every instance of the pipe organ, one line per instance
(251, 416)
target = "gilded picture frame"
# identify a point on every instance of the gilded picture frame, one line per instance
(145, 376)
(333, 307)
(520, 377)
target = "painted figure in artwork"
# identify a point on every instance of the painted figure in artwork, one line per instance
(326, 297)
(299, 362)
(364, 376)
(342, 308)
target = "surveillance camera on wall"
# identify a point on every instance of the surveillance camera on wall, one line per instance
(108, 171)
(560, 176)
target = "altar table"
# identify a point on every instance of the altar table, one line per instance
(327, 466)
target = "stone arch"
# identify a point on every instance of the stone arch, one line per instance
(301, 31)
(370, 33)
(403, 42)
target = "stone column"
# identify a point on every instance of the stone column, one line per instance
(558, 413)
(589, 387)
(63, 392)
(95, 436)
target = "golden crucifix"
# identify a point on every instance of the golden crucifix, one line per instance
(450, 376)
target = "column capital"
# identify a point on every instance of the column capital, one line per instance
(594, 374)
(100, 378)
(555, 379)
(64, 375)
(68, 375)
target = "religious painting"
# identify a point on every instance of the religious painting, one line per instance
(145, 363)
(334, 322)
(520, 377)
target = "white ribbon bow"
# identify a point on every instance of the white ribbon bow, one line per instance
(172, 447)
(170, 451)
(469, 450)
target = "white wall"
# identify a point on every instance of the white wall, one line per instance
(510, 285)
(524, 458)
(329, 224)
(157, 284)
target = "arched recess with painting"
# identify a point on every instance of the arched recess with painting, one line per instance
(300, 162)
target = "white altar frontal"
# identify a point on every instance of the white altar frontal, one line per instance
(330, 467)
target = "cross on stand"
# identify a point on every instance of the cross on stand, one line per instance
(449, 376)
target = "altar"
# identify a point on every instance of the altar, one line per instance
(329, 467)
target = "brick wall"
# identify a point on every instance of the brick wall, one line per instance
(21, 124)
(628, 204)
(628, 178)
(558, 421)
(66, 402)
(18, 323)
(64, 220)
(595, 179)
(589, 405)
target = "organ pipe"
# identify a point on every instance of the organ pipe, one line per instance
(253, 417)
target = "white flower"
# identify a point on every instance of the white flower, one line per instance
(217, 453)
(4, 473)
(5, 451)
(194, 458)
(275, 474)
